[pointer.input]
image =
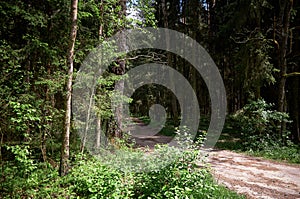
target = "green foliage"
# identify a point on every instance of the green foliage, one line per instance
(32, 58)
(89, 178)
(40, 181)
(93, 180)
(180, 179)
(25, 116)
(19, 174)
(253, 63)
(105, 94)
(11, 72)
(24, 165)
(242, 133)
(259, 125)
(34, 38)
(145, 16)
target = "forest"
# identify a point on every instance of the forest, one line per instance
(60, 137)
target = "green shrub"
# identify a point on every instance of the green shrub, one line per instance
(259, 125)
(91, 178)
(183, 178)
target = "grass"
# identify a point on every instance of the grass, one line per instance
(289, 154)
(223, 193)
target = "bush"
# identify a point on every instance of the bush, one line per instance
(89, 178)
(259, 125)
(182, 178)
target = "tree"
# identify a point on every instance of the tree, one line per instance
(121, 65)
(65, 149)
(284, 24)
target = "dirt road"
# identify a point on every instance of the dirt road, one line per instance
(255, 177)
(251, 176)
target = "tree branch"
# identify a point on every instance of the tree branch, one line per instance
(292, 74)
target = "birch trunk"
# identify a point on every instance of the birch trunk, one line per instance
(65, 149)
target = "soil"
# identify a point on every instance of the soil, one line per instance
(145, 136)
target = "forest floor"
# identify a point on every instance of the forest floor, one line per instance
(251, 176)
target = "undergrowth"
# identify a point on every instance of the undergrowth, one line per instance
(90, 178)
(255, 129)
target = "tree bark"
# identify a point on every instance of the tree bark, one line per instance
(120, 85)
(285, 13)
(170, 61)
(65, 149)
(294, 108)
(98, 120)
(98, 133)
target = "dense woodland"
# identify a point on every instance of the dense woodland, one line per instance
(254, 43)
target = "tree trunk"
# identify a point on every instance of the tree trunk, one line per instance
(119, 115)
(294, 108)
(88, 115)
(174, 105)
(65, 149)
(98, 133)
(285, 13)
(120, 85)
(98, 120)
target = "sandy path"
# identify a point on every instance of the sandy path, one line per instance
(146, 136)
(255, 177)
